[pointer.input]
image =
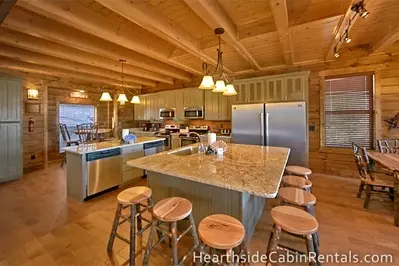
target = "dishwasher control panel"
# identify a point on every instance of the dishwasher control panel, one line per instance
(102, 154)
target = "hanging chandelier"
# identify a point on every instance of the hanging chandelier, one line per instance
(122, 99)
(223, 81)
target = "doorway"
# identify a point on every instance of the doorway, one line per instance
(72, 115)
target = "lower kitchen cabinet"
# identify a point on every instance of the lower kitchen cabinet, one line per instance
(129, 173)
(175, 141)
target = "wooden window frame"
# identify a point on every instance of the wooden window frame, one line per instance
(374, 106)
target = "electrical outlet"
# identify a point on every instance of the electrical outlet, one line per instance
(33, 157)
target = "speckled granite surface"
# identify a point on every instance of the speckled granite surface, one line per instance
(254, 169)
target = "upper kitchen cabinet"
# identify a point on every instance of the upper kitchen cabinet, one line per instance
(179, 103)
(10, 99)
(193, 97)
(242, 93)
(295, 88)
(139, 108)
(148, 109)
(250, 91)
(217, 106)
(166, 99)
(275, 90)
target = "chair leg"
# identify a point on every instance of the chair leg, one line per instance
(114, 227)
(316, 244)
(147, 253)
(273, 242)
(150, 204)
(310, 248)
(132, 246)
(368, 196)
(139, 220)
(361, 188)
(194, 231)
(174, 244)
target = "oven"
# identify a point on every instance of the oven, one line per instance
(167, 143)
(194, 112)
(185, 140)
(167, 113)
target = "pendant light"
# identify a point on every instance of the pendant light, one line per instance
(207, 80)
(230, 90)
(105, 97)
(135, 100)
(122, 96)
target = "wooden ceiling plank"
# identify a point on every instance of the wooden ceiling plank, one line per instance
(5, 8)
(41, 59)
(30, 23)
(280, 15)
(34, 68)
(147, 17)
(390, 37)
(35, 44)
(212, 13)
(342, 26)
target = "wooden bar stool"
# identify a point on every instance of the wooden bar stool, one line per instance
(298, 197)
(170, 211)
(295, 222)
(132, 198)
(298, 182)
(298, 170)
(222, 232)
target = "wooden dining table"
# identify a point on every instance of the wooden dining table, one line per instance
(100, 131)
(391, 162)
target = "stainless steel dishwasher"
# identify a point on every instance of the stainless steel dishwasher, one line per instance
(104, 170)
(153, 147)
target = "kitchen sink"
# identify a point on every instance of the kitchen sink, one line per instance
(185, 151)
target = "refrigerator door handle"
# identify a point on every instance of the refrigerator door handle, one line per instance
(267, 128)
(262, 129)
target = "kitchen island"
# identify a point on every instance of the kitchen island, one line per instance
(96, 167)
(236, 184)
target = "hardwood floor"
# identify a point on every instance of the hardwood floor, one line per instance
(40, 225)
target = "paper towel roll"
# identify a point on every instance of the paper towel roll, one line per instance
(211, 138)
(125, 132)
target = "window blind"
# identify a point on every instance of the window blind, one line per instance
(348, 107)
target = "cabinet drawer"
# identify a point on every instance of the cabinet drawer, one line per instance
(132, 174)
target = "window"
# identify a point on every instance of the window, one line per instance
(348, 107)
(72, 115)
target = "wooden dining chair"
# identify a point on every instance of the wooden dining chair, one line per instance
(66, 138)
(368, 181)
(87, 132)
(388, 145)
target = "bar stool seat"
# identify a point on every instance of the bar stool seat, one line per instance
(221, 231)
(296, 196)
(298, 170)
(294, 220)
(134, 195)
(172, 209)
(297, 181)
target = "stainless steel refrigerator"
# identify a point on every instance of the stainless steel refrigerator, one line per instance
(273, 124)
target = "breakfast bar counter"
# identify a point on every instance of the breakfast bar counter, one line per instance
(235, 184)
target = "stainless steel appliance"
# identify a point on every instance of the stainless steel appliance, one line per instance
(104, 170)
(193, 136)
(167, 143)
(196, 112)
(153, 148)
(273, 124)
(167, 113)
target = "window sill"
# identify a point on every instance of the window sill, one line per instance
(345, 151)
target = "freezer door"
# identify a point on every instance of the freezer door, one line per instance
(248, 124)
(287, 127)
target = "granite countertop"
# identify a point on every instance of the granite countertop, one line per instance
(257, 170)
(106, 145)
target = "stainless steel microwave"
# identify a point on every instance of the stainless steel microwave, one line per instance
(167, 113)
(196, 112)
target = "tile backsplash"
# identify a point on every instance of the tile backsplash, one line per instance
(215, 126)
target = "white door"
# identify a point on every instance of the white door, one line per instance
(275, 90)
(10, 151)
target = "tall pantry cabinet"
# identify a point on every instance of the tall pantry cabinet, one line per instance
(11, 164)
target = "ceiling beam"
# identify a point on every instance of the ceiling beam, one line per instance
(390, 37)
(147, 17)
(53, 71)
(35, 44)
(5, 8)
(78, 16)
(41, 59)
(341, 28)
(280, 15)
(39, 26)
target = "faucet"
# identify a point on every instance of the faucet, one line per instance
(195, 135)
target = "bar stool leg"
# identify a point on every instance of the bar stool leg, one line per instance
(174, 244)
(316, 245)
(139, 221)
(132, 246)
(310, 247)
(273, 242)
(194, 231)
(229, 254)
(149, 243)
(150, 204)
(114, 227)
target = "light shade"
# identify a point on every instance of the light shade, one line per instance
(122, 98)
(220, 86)
(207, 83)
(33, 94)
(105, 97)
(230, 90)
(135, 100)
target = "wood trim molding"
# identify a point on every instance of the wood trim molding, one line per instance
(322, 113)
(5, 8)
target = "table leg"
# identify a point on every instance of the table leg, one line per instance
(396, 199)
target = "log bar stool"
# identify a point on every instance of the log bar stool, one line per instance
(295, 222)
(298, 182)
(298, 197)
(170, 211)
(132, 198)
(222, 232)
(298, 170)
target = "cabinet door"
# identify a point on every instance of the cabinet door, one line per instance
(294, 89)
(162, 101)
(139, 110)
(223, 112)
(197, 97)
(187, 98)
(257, 92)
(211, 105)
(179, 103)
(170, 99)
(10, 151)
(10, 100)
(242, 93)
(154, 107)
(275, 90)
